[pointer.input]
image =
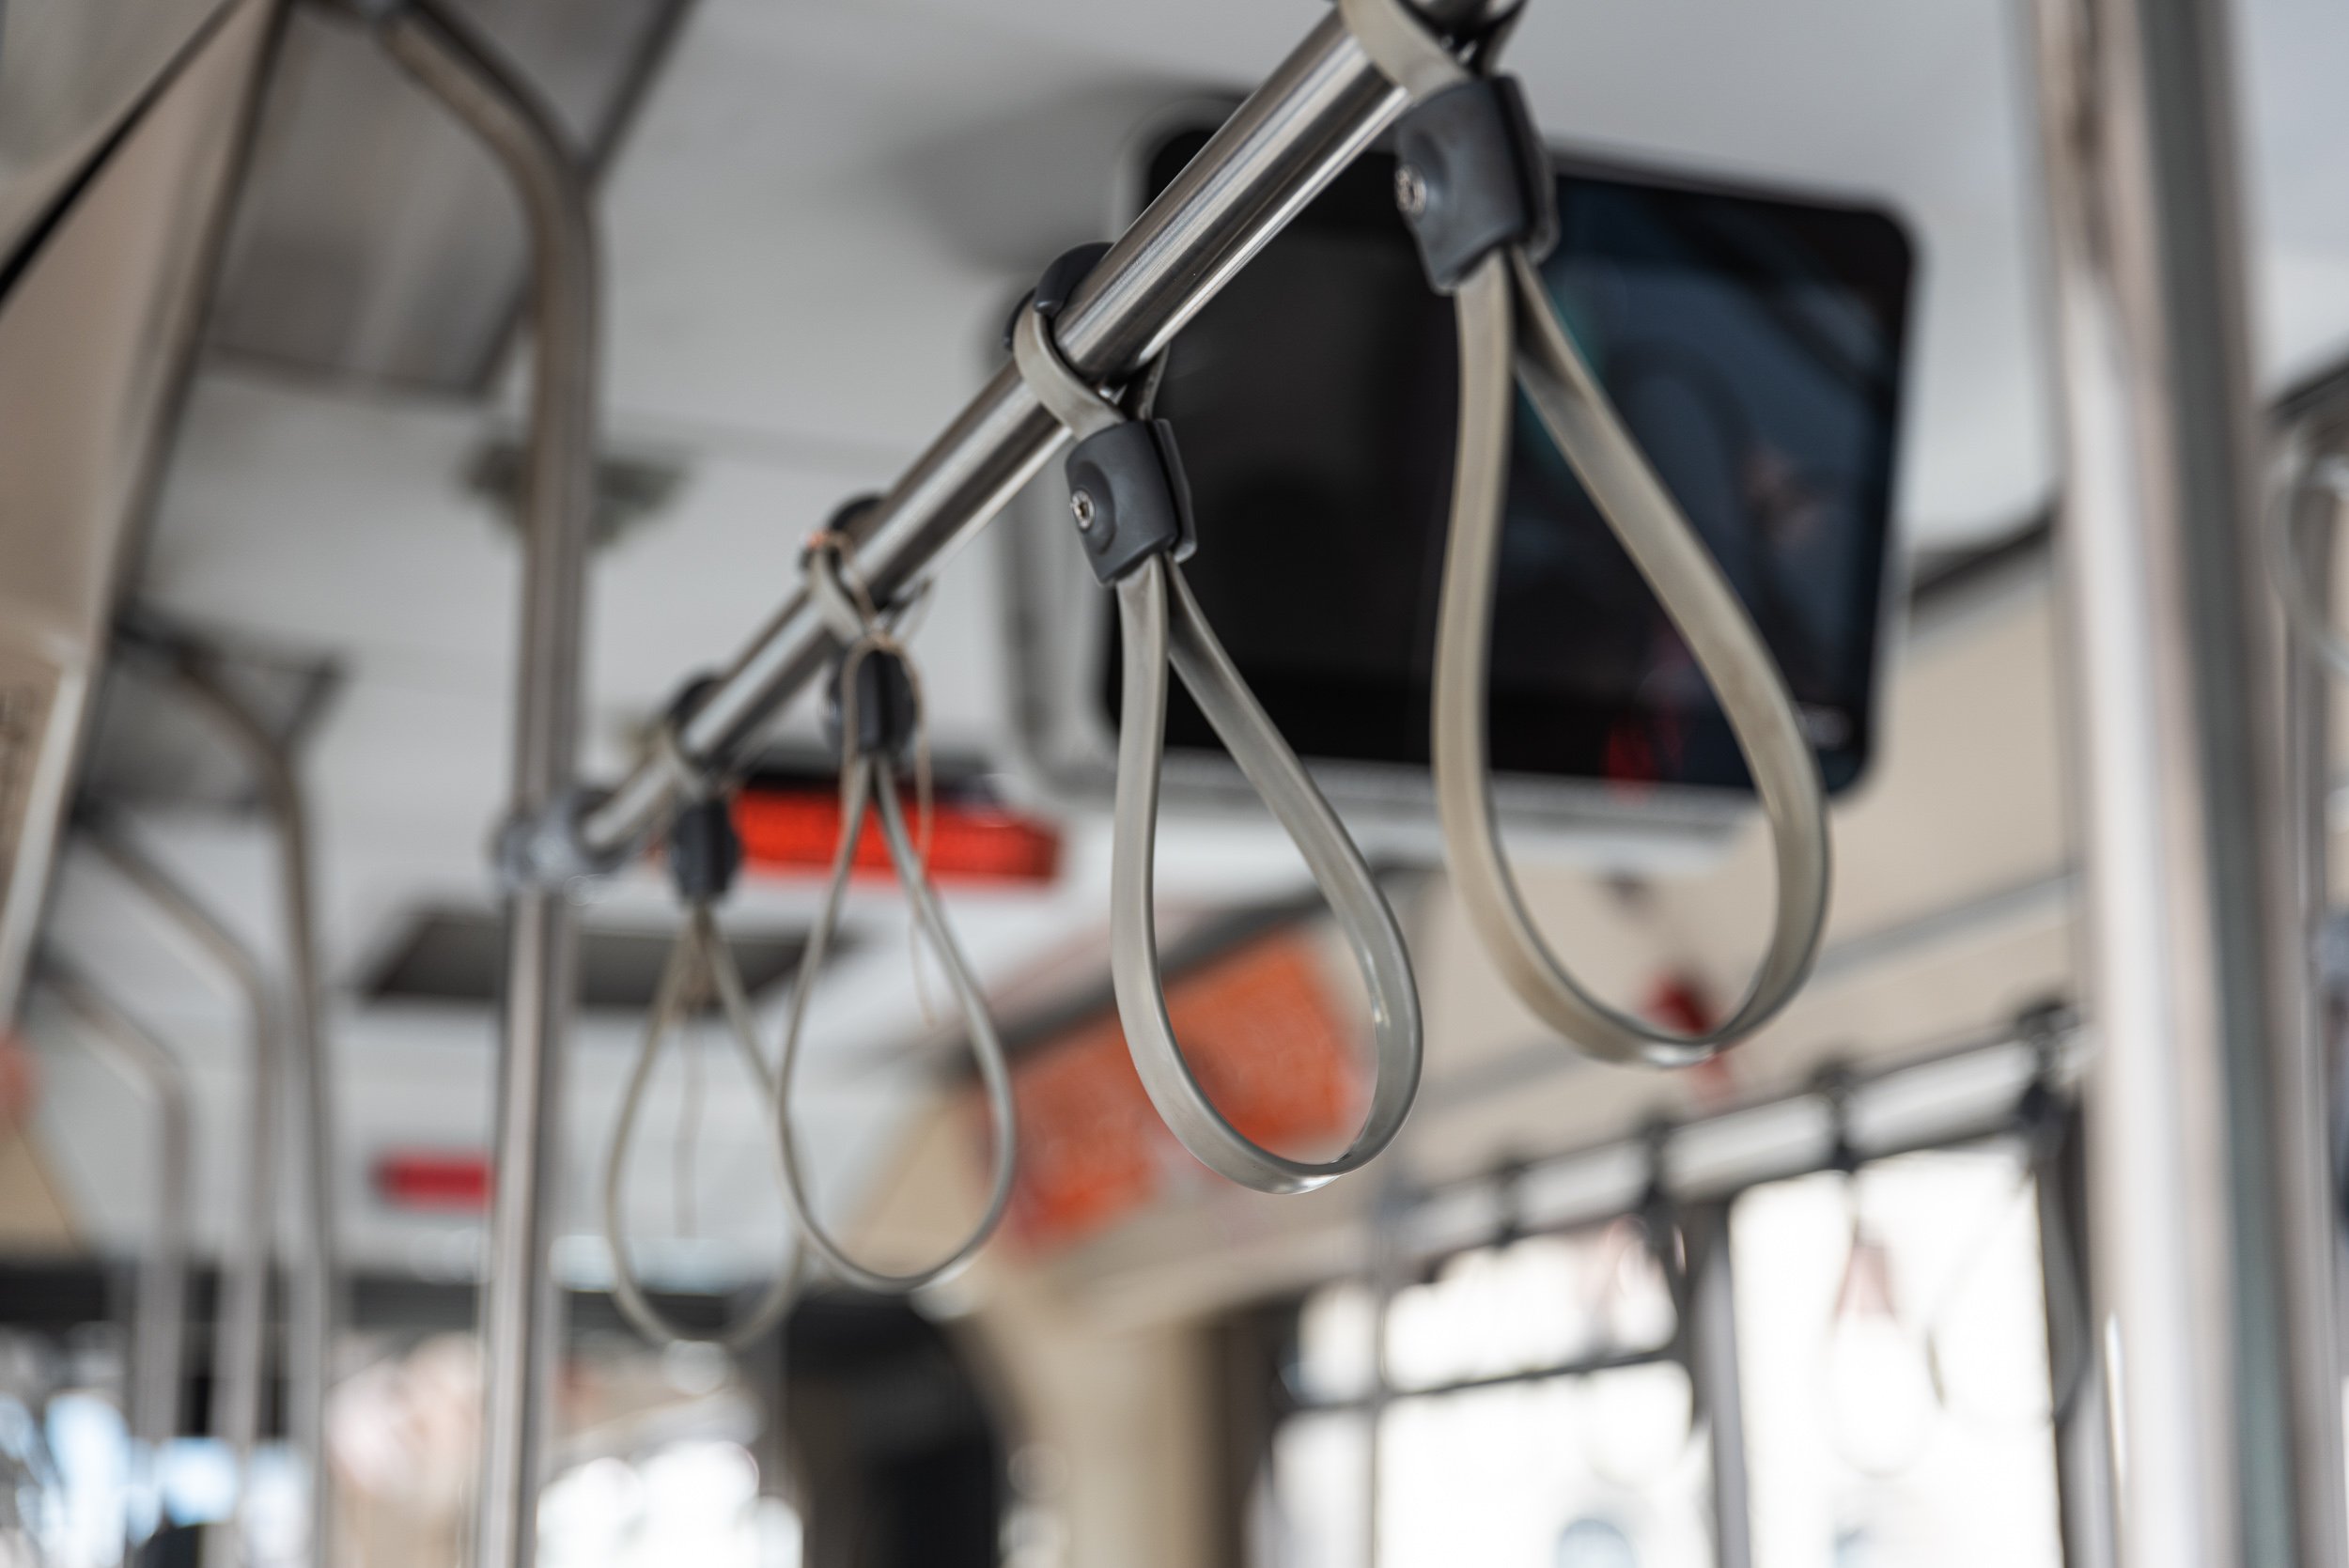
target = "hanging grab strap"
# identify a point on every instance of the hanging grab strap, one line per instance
(704, 855)
(878, 703)
(1475, 181)
(1132, 514)
(2306, 595)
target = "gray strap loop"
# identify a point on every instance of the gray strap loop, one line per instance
(698, 961)
(1152, 637)
(1161, 624)
(1668, 552)
(840, 595)
(1076, 402)
(1400, 45)
(865, 781)
(2305, 597)
(867, 778)
(1505, 315)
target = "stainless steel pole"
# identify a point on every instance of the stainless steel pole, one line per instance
(159, 1319)
(1319, 107)
(314, 1306)
(1390, 1212)
(1710, 1340)
(2200, 1173)
(240, 1342)
(2076, 1381)
(520, 1312)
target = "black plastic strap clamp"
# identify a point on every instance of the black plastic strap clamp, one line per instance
(1129, 498)
(888, 710)
(1471, 176)
(1127, 493)
(704, 852)
(2043, 1114)
(1835, 1085)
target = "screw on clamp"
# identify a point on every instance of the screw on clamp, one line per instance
(1411, 190)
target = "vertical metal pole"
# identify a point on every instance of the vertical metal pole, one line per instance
(1709, 1340)
(521, 1326)
(2198, 1177)
(2083, 1450)
(240, 1333)
(159, 1319)
(1390, 1213)
(315, 1308)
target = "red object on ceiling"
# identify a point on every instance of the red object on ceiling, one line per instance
(797, 831)
(447, 1182)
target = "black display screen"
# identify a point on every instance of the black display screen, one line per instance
(1754, 345)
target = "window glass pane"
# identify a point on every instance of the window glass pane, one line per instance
(1312, 1511)
(1565, 1469)
(1597, 1472)
(1337, 1335)
(1892, 1336)
(1535, 1304)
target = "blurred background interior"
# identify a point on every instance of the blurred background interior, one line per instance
(265, 367)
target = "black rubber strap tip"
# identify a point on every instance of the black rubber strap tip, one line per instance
(1058, 286)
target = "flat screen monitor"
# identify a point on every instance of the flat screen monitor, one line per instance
(1753, 344)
